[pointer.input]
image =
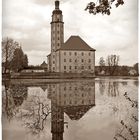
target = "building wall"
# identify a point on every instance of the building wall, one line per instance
(77, 61)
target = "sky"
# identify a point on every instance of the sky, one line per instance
(28, 22)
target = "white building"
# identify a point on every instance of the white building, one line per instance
(73, 56)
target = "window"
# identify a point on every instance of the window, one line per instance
(64, 67)
(89, 53)
(69, 53)
(89, 67)
(82, 60)
(58, 32)
(64, 53)
(53, 68)
(75, 53)
(75, 67)
(64, 60)
(70, 60)
(70, 67)
(53, 62)
(75, 60)
(82, 53)
(89, 60)
(58, 38)
(58, 44)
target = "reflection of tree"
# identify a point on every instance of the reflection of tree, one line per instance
(124, 83)
(102, 87)
(35, 115)
(13, 97)
(113, 89)
(136, 83)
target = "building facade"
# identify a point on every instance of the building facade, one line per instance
(73, 56)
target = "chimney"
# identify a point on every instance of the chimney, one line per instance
(57, 5)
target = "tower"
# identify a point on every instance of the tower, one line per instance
(57, 34)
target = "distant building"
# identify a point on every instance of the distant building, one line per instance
(44, 65)
(73, 56)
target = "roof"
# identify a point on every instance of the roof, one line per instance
(44, 64)
(76, 43)
(77, 112)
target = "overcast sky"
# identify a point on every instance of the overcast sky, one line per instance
(28, 21)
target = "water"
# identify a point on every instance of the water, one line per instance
(99, 109)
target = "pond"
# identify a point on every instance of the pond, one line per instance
(99, 109)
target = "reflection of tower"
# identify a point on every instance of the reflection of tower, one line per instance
(57, 121)
(73, 98)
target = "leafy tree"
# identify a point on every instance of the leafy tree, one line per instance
(101, 63)
(103, 6)
(136, 67)
(19, 60)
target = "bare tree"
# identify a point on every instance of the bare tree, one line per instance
(103, 6)
(112, 62)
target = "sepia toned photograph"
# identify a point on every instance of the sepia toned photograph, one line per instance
(70, 70)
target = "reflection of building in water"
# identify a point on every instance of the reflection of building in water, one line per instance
(75, 99)
(14, 97)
